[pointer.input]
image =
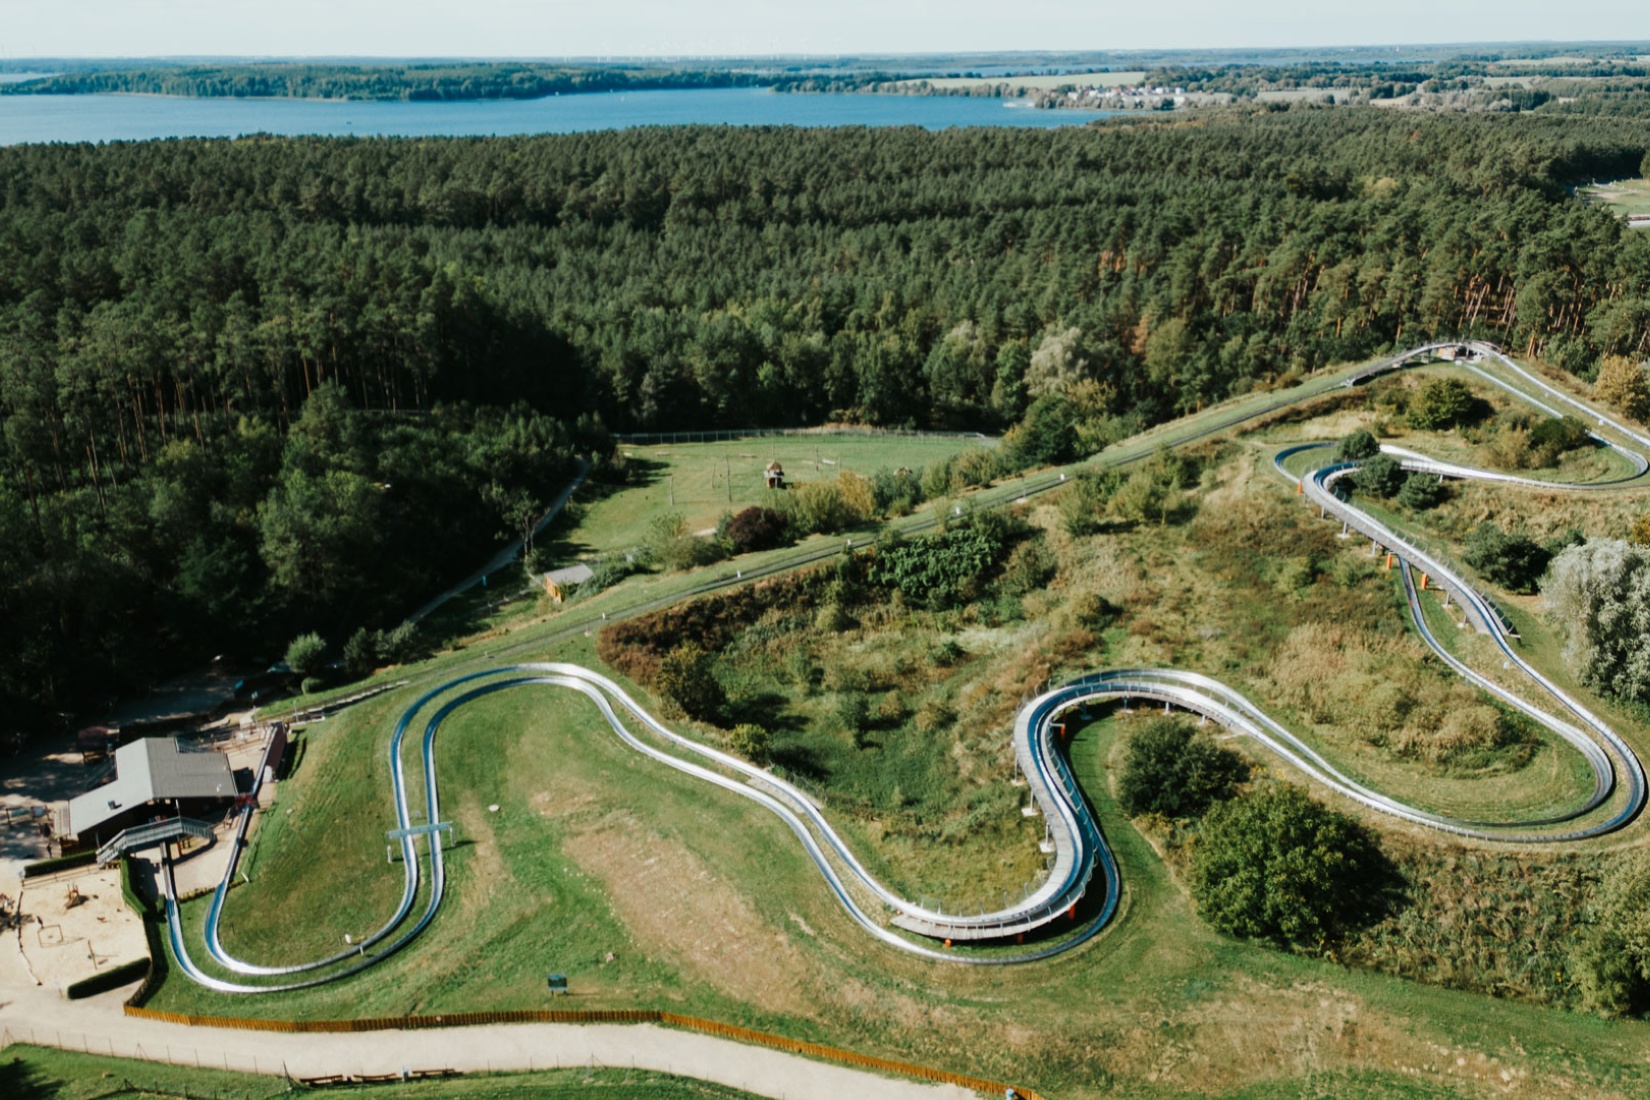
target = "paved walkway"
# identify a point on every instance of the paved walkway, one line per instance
(504, 557)
(31, 1014)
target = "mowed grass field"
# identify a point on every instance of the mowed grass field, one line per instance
(708, 907)
(1623, 197)
(41, 1073)
(704, 480)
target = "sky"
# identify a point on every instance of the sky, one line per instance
(589, 28)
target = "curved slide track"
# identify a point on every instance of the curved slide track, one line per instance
(1080, 851)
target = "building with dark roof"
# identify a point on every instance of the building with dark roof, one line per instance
(153, 777)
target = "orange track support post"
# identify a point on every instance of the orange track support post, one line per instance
(1389, 563)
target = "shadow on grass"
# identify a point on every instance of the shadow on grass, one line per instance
(800, 760)
(20, 1081)
(557, 542)
(766, 709)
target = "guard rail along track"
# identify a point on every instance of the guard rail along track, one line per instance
(1080, 850)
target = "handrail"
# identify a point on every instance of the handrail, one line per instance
(154, 832)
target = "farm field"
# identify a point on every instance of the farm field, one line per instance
(706, 905)
(703, 480)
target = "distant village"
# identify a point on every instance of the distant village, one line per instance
(1132, 97)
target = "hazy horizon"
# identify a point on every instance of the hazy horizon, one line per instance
(486, 30)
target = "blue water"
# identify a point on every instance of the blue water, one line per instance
(132, 118)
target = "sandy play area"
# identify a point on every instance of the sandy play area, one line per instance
(63, 943)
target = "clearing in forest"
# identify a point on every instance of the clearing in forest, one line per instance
(1628, 198)
(703, 480)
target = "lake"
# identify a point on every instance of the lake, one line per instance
(133, 118)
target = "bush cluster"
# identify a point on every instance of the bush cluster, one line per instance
(1275, 864)
(937, 570)
(1170, 768)
(1515, 562)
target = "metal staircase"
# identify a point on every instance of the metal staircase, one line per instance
(147, 836)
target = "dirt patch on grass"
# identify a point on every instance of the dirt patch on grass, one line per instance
(1250, 1032)
(486, 878)
(680, 909)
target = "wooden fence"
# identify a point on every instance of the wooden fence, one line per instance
(599, 1016)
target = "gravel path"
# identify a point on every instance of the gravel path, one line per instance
(29, 1014)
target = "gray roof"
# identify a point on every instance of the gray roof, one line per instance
(147, 771)
(572, 574)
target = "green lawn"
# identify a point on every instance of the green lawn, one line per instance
(1622, 197)
(704, 480)
(41, 1073)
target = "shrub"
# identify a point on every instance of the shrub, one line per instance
(113, 978)
(1444, 403)
(1422, 491)
(1171, 769)
(1621, 382)
(1030, 567)
(831, 619)
(1094, 611)
(891, 708)
(936, 570)
(820, 507)
(1556, 435)
(1044, 437)
(897, 491)
(1275, 864)
(750, 741)
(604, 574)
(1357, 447)
(400, 645)
(973, 467)
(852, 713)
(1599, 592)
(1512, 561)
(755, 528)
(360, 653)
(312, 684)
(1611, 960)
(687, 683)
(1085, 499)
(59, 863)
(671, 544)
(367, 649)
(637, 646)
(1153, 491)
(1380, 476)
(305, 654)
(859, 496)
(933, 715)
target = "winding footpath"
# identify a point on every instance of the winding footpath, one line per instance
(1080, 853)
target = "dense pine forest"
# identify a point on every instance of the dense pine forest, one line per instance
(417, 82)
(261, 386)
